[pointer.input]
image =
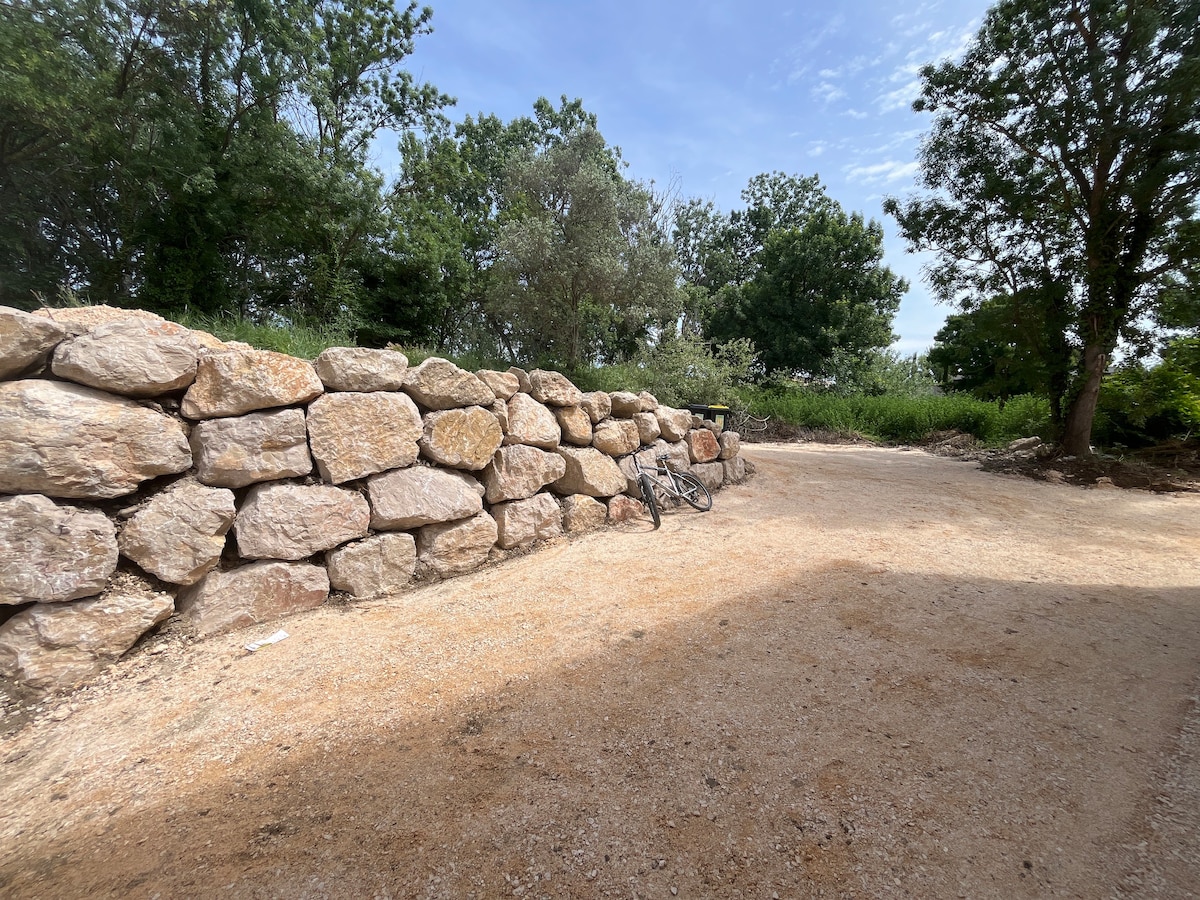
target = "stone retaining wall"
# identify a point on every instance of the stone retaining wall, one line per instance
(250, 484)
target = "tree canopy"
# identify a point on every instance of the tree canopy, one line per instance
(1062, 168)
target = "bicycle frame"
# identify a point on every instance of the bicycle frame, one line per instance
(661, 468)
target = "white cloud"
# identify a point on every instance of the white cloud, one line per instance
(827, 93)
(816, 148)
(855, 114)
(884, 172)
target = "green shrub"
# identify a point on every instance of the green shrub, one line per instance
(282, 337)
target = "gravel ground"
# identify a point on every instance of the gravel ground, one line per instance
(866, 673)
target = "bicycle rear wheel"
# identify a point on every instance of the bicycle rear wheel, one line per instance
(647, 487)
(693, 491)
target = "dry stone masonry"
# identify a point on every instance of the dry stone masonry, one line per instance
(150, 470)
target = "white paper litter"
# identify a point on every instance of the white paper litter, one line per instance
(273, 639)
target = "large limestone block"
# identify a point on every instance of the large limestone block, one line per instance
(734, 470)
(711, 474)
(256, 593)
(54, 646)
(680, 458)
(259, 446)
(461, 438)
(377, 565)
(674, 424)
(179, 534)
(25, 341)
(233, 381)
(519, 471)
(616, 437)
(731, 444)
(354, 435)
(589, 472)
(582, 513)
(648, 401)
(503, 384)
(440, 384)
(51, 553)
(361, 369)
(575, 425)
(597, 404)
(553, 388)
(525, 521)
(422, 495)
(529, 422)
(702, 445)
(647, 426)
(523, 382)
(622, 508)
(452, 548)
(133, 357)
(625, 464)
(624, 404)
(66, 440)
(293, 521)
(79, 320)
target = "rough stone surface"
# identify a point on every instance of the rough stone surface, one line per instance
(293, 521)
(730, 443)
(523, 382)
(553, 388)
(255, 593)
(503, 384)
(79, 320)
(519, 471)
(461, 438)
(453, 548)
(377, 565)
(525, 521)
(589, 472)
(711, 474)
(624, 404)
(702, 445)
(648, 400)
(234, 381)
(66, 440)
(499, 409)
(422, 495)
(1028, 443)
(575, 424)
(361, 369)
(622, 508)
(625, 464)
(734, 470)
(133, 357)
(616, 437)
(25, 341)
(597, 404)
(582, 513)
(259, 446)
(680, 460)
(440, 384)
(180, 533)
(647, 426)
(52, 553)
(529, 422)
(54, 646)
(354, 435)
(674, 424)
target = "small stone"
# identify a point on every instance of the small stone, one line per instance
(575, 424)
(553, 388)
(624, 404)
(503, 384)
(583, 513)
(597, 404)
(622, 508)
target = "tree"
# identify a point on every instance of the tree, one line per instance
(1064, 162)
(584, 267)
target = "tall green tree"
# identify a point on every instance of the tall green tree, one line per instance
(1063, 167)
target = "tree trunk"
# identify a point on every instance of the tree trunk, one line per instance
(1077, 431)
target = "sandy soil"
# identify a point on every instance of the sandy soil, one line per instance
(867, 673)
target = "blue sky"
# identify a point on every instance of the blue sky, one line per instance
(707, 95)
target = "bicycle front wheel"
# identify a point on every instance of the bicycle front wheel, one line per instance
(647, 487)
(693, 491)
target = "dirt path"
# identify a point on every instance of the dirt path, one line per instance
(867, 673)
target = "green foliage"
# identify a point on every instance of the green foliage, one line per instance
(1063, 166)
(792, 272)
(680, 371)
(1142, 405)
(881, 372)
(304, 341)
(901, 419)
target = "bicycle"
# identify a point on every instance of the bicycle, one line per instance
(663, 482)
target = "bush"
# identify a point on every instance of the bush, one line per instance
(679, 371)
(1140, 405)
